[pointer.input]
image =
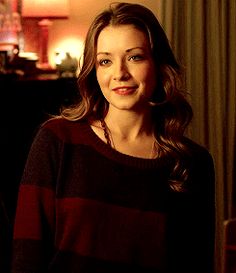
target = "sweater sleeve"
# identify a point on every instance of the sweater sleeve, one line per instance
(35, 217)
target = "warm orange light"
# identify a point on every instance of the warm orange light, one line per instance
(73, 45)
(45, 8)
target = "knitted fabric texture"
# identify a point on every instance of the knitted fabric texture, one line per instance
(85, 207)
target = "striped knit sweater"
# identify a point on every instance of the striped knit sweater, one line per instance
(84, 207)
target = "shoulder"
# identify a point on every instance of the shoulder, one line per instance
(198, 151)
(59, 123)
(54, 135)
(65, 130)
(201, 164)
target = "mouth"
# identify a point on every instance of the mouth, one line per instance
(124, 90)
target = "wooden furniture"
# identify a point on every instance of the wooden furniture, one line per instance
(230, 246)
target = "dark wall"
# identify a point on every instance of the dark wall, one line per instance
(25, 104)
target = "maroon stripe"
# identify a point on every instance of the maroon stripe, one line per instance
(109, 232)
(92, 228)
(33, 203)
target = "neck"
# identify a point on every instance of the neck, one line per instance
(129, 126)
(143, 147)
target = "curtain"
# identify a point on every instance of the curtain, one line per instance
(202, 35)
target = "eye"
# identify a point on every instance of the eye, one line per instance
(104, 62)
(137, 57)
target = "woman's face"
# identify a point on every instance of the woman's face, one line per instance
(125, 68)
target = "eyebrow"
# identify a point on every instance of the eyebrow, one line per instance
(127, 50)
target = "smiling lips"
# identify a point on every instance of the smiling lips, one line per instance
(124, 90)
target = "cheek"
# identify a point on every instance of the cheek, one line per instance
(102, 78)
(148, 77)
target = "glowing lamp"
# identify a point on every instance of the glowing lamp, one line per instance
(45, 11)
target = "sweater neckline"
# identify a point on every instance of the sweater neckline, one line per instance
(103, 148)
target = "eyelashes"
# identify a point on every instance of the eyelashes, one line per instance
(133, 58)
(104, 62)
(137, 57)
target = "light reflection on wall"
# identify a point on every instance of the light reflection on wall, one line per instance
(72, 45)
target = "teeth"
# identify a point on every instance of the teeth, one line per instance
(123, 89)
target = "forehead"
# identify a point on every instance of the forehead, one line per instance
(122, 36)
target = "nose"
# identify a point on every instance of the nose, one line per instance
(121, 71)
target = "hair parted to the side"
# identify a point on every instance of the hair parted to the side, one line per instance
(171, 111)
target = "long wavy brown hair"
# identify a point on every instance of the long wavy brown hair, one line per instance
(171, 111)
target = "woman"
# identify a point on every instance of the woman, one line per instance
(113, 185)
